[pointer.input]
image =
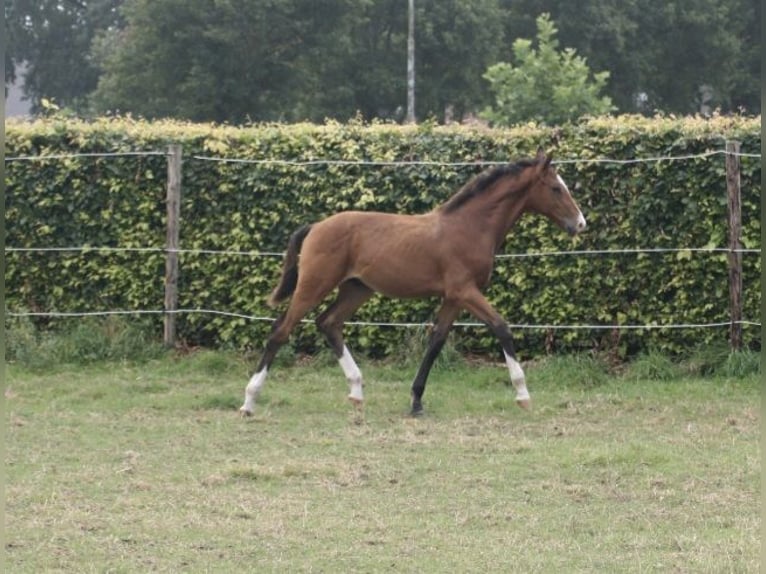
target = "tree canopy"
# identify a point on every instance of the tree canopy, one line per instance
(546, 85)
(290, 60)
(661, 55)
(54, 39)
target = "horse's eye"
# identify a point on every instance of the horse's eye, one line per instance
(556, 189)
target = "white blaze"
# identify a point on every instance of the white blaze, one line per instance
(580, 218)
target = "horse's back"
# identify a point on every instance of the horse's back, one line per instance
(360, 227)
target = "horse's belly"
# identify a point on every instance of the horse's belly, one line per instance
(402, 278)
(402, 289)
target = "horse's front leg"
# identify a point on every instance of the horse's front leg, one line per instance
(444, 319)
(478, 306)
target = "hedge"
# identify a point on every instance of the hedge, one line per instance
(120, 202)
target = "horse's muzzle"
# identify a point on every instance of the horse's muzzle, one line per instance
(576, 226)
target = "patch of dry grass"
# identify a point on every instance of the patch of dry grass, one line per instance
(136, 469)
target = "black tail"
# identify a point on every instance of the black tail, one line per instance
(290, 269)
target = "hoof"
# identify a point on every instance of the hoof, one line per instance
(524, 403)
(416, 403)
(244, 413)
(356, 401)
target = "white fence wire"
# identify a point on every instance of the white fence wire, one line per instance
(317, 162)
(107, 250)
(65, 314)
(396, 163)
(392, 163)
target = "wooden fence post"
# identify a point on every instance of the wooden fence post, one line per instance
(171, 254)
(735, 243)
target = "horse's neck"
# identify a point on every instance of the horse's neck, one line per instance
(494, 214)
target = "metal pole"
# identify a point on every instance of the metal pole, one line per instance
(411, 63)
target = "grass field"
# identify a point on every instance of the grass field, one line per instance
(119, 467)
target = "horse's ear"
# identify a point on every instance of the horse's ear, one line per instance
(543, 158)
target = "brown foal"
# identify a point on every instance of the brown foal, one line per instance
(448, 252)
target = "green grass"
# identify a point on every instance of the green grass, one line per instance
(83, 341)
(122, 467)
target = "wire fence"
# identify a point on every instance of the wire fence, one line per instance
(392, 163)
(87, 249)
(107, 250)
(545, 327)
(478, 163)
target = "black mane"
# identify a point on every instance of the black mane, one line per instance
(484, 181)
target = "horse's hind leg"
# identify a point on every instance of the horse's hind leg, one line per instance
(280, 332)
(302, 302)
(276, 339)
(352, 294)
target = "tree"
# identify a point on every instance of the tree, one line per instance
(236, 60)
(700, 49)
(362, 66)
(545, 85)
(291, 60)
(54, 37)
(456, 42)
(659, 53)
(179, 58)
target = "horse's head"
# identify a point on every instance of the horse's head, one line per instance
(550, 196)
